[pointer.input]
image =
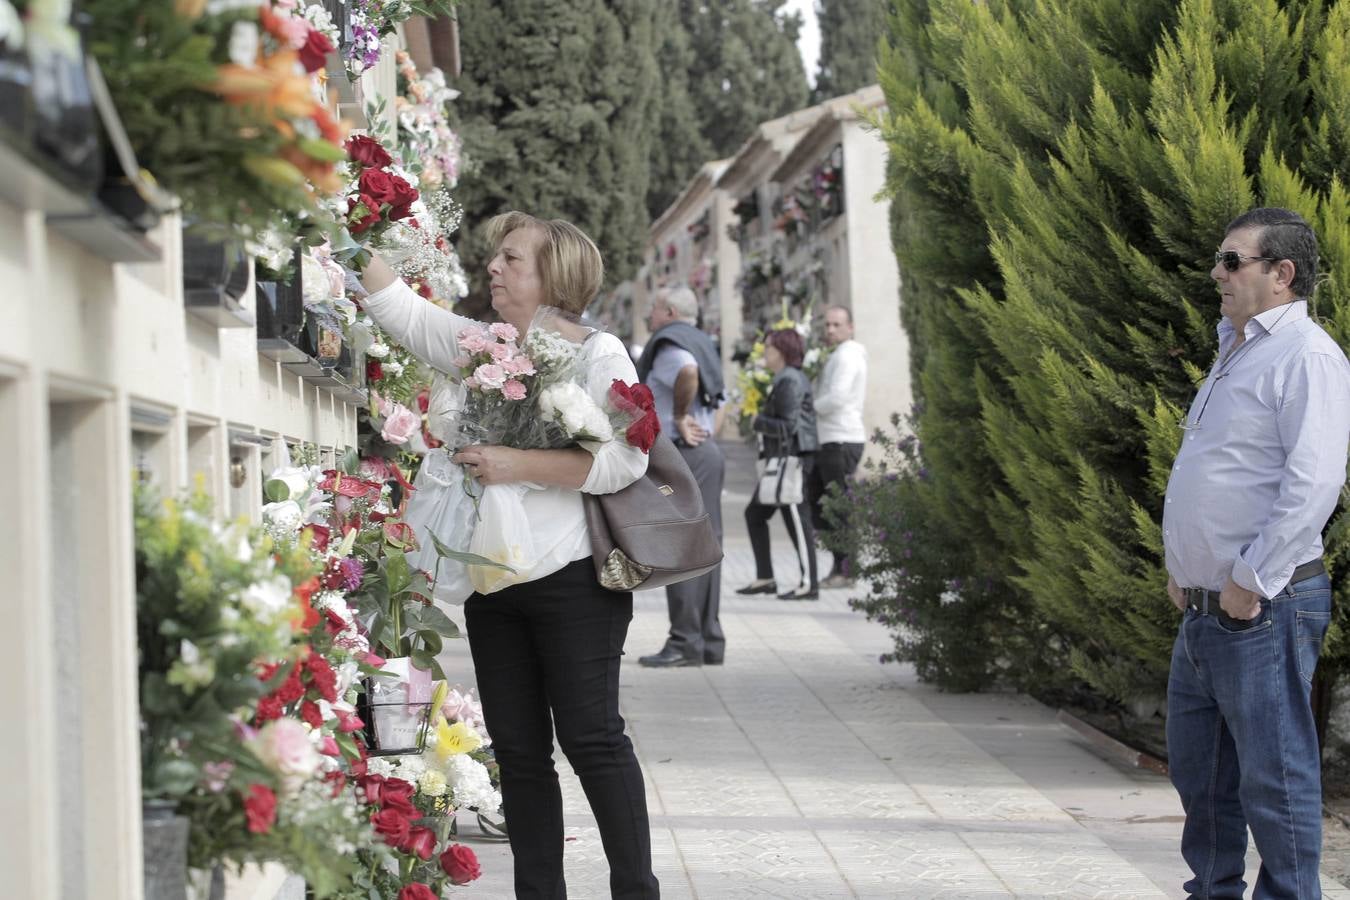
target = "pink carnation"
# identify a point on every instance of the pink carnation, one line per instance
(490, 376)
(513, 390)
(471, 383)
(519, 365)
(400, 425)
(504, 331)
(474, 339)
(463, 361)
(500, 352)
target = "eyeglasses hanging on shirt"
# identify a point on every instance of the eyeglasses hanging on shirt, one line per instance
(1226, 367)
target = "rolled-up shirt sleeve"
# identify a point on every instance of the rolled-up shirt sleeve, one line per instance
(1314, 427)
(427, 331)
(615, 464)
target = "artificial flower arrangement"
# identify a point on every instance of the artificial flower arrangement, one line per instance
(223, 107)
(372, 20)
(527, 395)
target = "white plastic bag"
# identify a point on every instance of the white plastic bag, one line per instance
(442, 506)
(502, 535)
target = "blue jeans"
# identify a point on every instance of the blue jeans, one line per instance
(1242, 744)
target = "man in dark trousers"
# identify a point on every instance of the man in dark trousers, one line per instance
(684, 371)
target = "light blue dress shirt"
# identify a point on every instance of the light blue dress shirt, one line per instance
(1263, 458)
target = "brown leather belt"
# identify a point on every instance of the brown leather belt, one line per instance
(1203, 601)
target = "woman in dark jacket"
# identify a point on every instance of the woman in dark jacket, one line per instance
(787, 422)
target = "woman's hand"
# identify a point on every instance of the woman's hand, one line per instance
(492, 464)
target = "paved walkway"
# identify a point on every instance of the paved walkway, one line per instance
(805, 769)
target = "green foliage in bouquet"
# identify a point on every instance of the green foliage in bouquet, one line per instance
(213, 603)
(243, 149)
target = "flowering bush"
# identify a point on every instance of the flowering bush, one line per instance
(944, 616)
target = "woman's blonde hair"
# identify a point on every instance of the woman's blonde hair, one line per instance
(570, 266)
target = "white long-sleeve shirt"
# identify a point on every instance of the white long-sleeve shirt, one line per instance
(1253, 486)
(556, 514)
(840, 392)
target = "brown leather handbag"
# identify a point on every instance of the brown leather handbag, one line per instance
(654, 532)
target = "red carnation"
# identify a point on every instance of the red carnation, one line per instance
(460, 864)
(322, 676)
(260, 809)
(291, 689)
(349, 722)
(374, 371)
(269, 708)
(423, 400)
(317, 46)
(309, 712)
(416, 891)
(367, 151)
(421, 842)
(336, 624)
(392, 825)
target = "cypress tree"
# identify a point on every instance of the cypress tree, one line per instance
(1090, 152)
(558, 113)
(746, 68)
(849, 31)
(679, 147)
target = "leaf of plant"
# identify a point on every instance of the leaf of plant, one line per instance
(422, 659)
(277, 490)
(470, 559)
(397, 572)
(432, 640)
(351, 462)
(443, 624)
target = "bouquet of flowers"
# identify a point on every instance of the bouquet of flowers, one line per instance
(530, 395)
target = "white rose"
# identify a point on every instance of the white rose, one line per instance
(377, 351)
(284, 517)
(266, 599)
(244, 44)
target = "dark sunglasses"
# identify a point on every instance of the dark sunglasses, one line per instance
(1233, 260)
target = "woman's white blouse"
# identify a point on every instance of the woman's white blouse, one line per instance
(430, 333)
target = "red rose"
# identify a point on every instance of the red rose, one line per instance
(642, 433)
(423, 289)
(378, 185)
(421, 843)
(397, 794)
(423, 400)
(374, 371)
(337, 780)
(364, 220)
(260, 809)
(367, 151)
(372, 786)
(416, 891)
(460, 864)
(309, 712)
(317, 46)
(392, 825)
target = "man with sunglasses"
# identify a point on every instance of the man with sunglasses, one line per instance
(1261, 464)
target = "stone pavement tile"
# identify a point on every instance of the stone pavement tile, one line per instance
(1059, 865)
(744, 861)
(911, 865)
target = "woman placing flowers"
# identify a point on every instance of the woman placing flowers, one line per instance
(549, 648)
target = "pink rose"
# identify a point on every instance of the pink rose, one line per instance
(504, 331)
(400, 425)
(490, 376)
(513, 390)
(284, 747)
(474, 339)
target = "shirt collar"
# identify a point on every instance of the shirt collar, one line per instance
(1272, 319)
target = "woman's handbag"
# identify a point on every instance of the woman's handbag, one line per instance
(780, 481)
(654, 532)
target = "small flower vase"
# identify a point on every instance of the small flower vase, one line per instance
(396, 708)
(164, 839)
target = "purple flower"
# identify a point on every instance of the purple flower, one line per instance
(352, 573)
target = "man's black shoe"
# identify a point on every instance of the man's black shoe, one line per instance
(668, 658)
(712, 660)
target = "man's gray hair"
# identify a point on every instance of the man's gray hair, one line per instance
(682, 302)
